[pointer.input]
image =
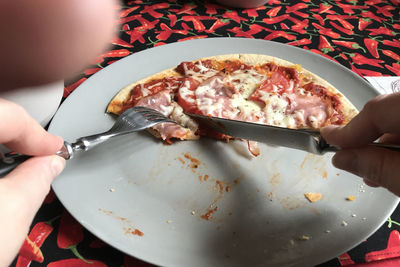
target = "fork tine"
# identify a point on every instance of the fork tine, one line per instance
(150, 115)
(147, 111)
(135, 110)
(141, 108)
(154, 116)
(144, 109)
(163, 121)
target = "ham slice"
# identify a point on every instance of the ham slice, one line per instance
(162, 103)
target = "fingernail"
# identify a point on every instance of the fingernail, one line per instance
(57, 165)
(345, 160)
(61, 141)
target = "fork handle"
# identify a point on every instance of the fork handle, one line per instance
(11, 161)
(83, 144)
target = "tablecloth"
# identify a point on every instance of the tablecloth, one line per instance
(362, 35)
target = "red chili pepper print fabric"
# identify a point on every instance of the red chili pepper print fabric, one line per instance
(360, 35)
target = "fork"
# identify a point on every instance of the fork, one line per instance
(132, 120)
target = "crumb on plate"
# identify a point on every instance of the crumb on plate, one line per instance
(304, 237)
(313, 197)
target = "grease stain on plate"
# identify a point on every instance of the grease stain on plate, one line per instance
(127, 227)
(292, 202)
(313, 163)
(208, 215)
(275, 179)
(133, 231)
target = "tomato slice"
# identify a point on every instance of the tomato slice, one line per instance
(231, 66)
(277, 83)
(291, 74)
(186, 67)
(186, 97)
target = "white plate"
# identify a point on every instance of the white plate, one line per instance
(135, 182)
(41, 101)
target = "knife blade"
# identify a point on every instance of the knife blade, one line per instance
(302, 139)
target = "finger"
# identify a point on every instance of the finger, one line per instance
(63, 37)
(370, 183)
(21, 133)
(378, 165)
(390, 139)
(21, 195)
(29, 183)
(378, 116)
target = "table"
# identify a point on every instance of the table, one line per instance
(361, 35)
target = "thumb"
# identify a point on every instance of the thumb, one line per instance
(21, 195)
(378, 166)
(29, 183)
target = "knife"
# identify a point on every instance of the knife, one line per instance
(303, 139)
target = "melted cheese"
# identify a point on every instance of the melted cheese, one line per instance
(185, 93)
(204, 74)
(201, 67)
(154, 85)
(248, 110)
(183, 119)
(166, 109)
(246, 81)
(144, 90)
(275, 111)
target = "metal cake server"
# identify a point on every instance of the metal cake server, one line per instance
(303, 139)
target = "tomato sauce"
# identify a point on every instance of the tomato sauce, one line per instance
(207, 216)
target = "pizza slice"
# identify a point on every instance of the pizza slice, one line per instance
(247, 87)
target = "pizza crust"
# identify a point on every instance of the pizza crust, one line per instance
(115, 106)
